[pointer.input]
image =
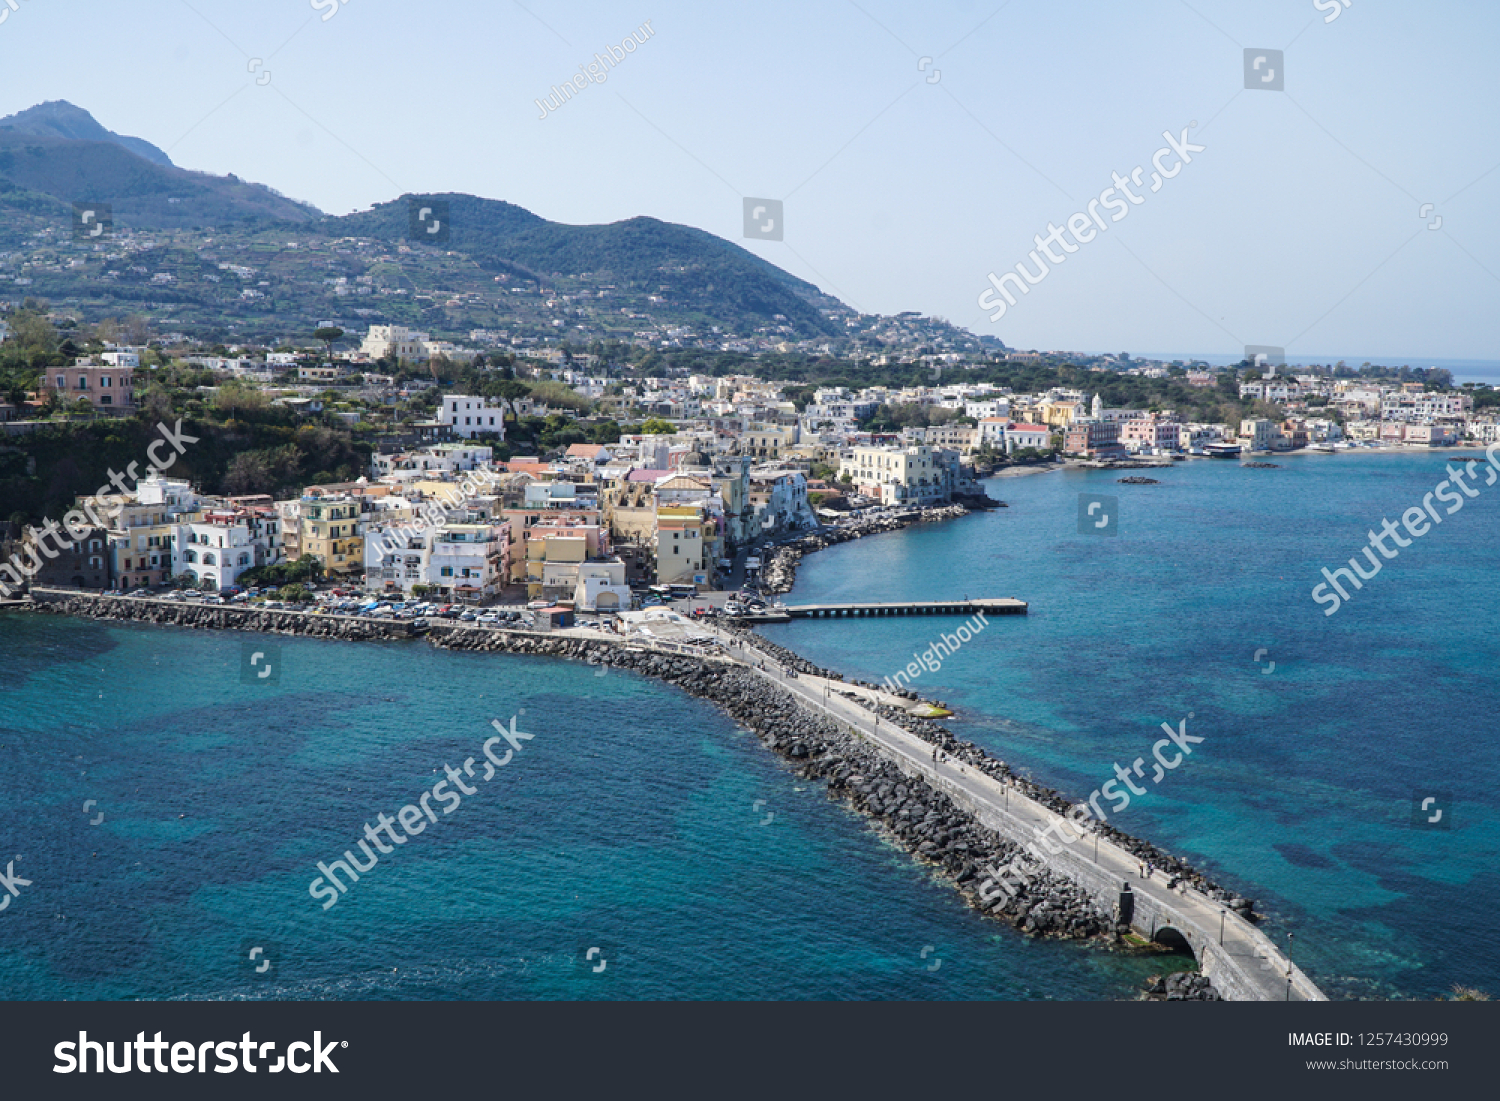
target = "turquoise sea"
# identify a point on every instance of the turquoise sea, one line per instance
(644, 824)
(1302, 795)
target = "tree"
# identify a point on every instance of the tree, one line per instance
(328, 335)
(294, 594)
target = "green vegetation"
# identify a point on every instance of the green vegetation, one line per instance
(306, 568)
(701, 274)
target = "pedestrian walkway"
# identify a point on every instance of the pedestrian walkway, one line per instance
(1245, 963)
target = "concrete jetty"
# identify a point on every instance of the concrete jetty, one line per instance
(965, 607)
(1244, 963)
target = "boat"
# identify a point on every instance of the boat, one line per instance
(1326, 448)
(1221, 450)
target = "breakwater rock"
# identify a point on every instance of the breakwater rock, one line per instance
(1182, 986)
(779, 570)
(219, 617)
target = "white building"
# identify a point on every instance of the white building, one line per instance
(1038, 436)
(470, 416)
(992, 431)
(601, 586)
(395, 341)
(898, 475)
(447, 457)
(219, 545)
(468, 561)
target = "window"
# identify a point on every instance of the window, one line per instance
(105, 380)
(62, 383)
(446, 571)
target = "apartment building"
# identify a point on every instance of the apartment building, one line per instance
(1095, 439)
(107, 388)
(330, 532)
(395, 342)
(1259, 434)
(897, 475)
(469, 416)
(682, 554)
(218, 544)
(144, 538)
(469, 561)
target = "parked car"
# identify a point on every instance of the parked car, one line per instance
(536, 604)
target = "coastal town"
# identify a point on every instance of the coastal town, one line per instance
(464, 502)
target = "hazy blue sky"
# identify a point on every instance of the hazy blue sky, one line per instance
(1298, 225)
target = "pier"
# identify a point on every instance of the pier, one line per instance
(989, 606)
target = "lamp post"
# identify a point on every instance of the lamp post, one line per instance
(1221, 927)
(1096, 846)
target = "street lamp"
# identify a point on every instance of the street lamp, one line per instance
(1221, 927)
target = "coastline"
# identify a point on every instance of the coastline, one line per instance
(779, 573)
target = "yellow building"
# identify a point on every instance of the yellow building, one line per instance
(682, 550)
(330, 533)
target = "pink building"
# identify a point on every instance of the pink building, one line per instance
(1149, 432)
(107, 389)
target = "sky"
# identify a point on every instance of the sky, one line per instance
(915, 149)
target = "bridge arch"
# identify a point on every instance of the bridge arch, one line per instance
(1169, 936)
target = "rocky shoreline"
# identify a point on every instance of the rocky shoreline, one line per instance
(779, 569)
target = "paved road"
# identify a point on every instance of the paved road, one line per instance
(1260, 965)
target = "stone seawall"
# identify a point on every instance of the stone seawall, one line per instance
(220, 617)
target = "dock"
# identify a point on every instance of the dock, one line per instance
(989, 606)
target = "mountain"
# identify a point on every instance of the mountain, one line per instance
(692, 269)
(58, 152)
(60, 119)
(176, 233)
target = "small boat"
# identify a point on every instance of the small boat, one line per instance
(1326, 448)
(1221, 450)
